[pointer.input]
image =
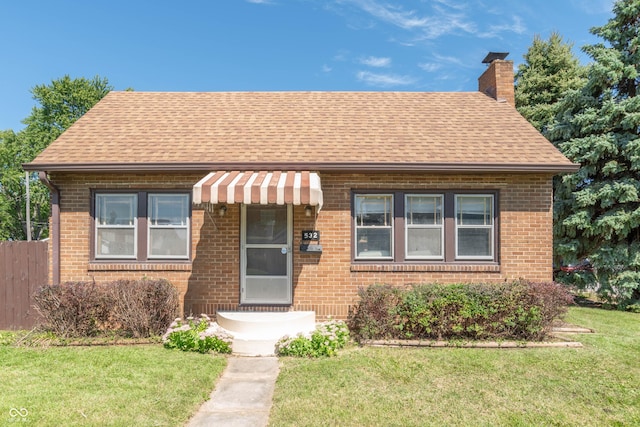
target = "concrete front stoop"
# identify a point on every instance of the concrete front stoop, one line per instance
(256, 333)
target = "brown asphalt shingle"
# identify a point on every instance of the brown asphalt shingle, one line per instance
(312, 128)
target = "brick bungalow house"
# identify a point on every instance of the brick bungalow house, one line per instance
(289, 201)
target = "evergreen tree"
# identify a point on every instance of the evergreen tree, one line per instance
(60, 104)
(550, 69)
(597, 209)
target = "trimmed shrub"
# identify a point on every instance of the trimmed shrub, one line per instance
(74, 309)
(85, 309)
(373, 316)
(518, 310)
(143, 308)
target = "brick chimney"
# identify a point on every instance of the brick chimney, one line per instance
(498, 79)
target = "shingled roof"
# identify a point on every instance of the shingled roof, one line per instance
(323, 131)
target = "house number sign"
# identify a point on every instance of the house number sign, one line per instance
(310, 235)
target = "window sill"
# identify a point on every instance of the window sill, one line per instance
(139, 266)
(408, 267)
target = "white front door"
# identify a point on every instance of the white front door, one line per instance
(265, 262)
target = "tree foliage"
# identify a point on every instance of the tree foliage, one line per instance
(60, 104)
(597, 209)
(549, 71)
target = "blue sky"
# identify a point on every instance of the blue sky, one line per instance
(273, 45)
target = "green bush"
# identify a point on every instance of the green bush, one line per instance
(518, 310)
(200, 335)
(140, 308)
(325, 340)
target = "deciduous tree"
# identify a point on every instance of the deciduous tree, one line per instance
(60, 104)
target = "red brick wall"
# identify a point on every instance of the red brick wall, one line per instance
(497, 81)
(326, 283)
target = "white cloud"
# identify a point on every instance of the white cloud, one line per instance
(517, 26)
(440, 18)
(441, 22)
(374, 61)
(326, 68)
(392, 14)
(260, 1)
(451, 4)
(430, 67)
(450, 60)
(384, 80)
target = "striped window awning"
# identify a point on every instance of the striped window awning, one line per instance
(262, 187)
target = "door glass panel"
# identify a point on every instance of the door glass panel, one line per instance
(266, 262)
(267, 225)
(266, 290)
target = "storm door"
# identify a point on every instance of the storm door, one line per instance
(266, 233)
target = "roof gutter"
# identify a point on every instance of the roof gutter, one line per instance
(318, 166)
(55, 226)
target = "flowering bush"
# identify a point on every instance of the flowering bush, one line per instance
(201, 335)
(326, 340)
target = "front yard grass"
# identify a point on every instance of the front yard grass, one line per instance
(596, 385)
(147, 385)
(141, 385)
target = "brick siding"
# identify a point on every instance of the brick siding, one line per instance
(326, 283)
(497, 81)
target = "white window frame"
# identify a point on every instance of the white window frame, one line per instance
(390, 221)
(490, 227)
(99, 226)
(184, 226)
(408, 227)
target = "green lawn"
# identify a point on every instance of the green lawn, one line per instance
(596, 385)
(146, 385)
(142, 385)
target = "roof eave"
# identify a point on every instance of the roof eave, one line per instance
(317, 166)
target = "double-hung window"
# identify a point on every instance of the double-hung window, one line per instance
(474, 226)
(141, 226)
(168, 224)
(424, 227)
(441, 227)
(374, 226)
(116, 219)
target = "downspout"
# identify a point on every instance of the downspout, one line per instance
(55, 226)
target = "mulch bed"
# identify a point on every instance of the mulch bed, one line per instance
(557, 341)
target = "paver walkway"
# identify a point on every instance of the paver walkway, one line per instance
(243, 395)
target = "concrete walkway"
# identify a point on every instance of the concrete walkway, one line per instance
(242, 396)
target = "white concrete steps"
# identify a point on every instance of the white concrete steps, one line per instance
(256, 333)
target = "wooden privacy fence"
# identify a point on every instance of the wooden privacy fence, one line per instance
(24, 267)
